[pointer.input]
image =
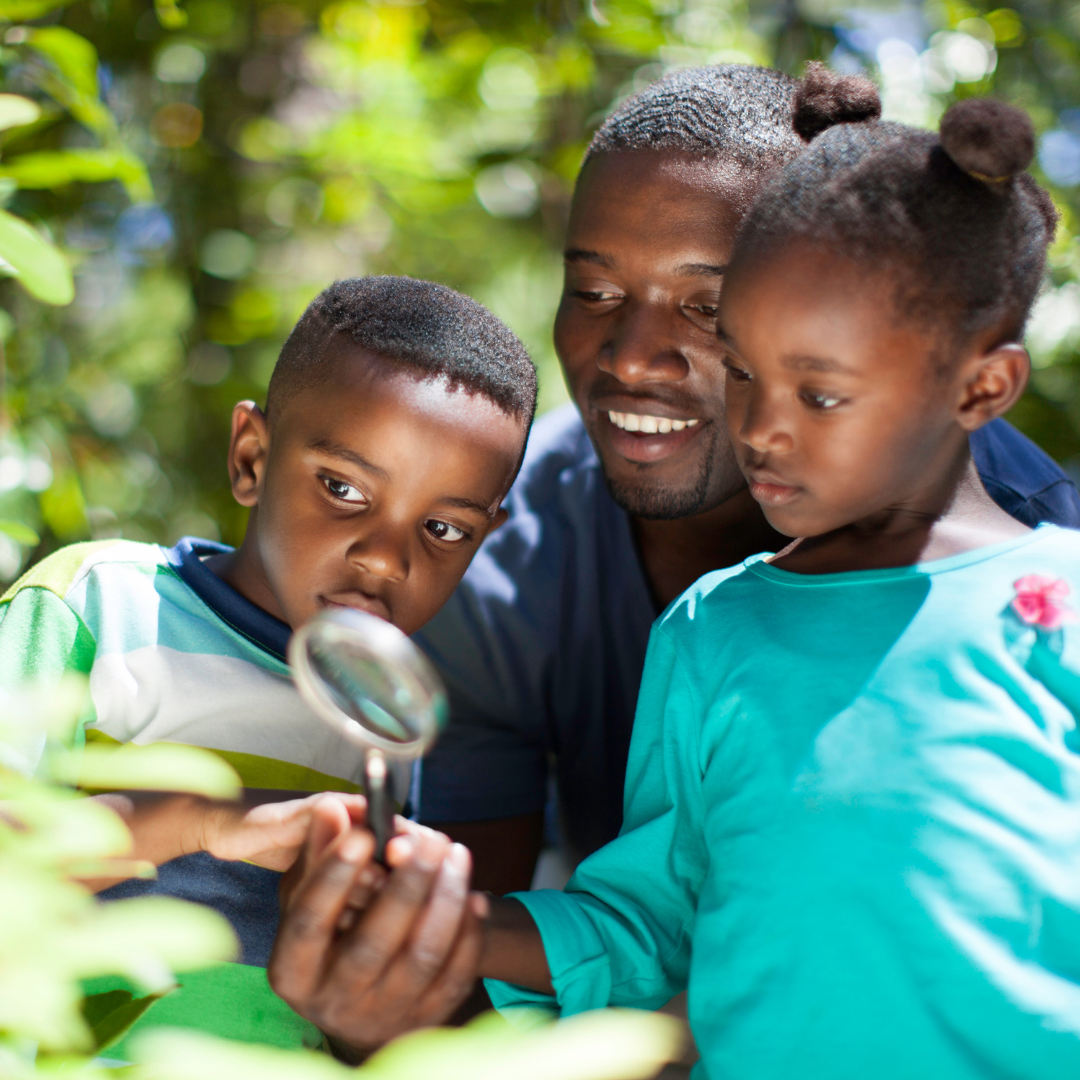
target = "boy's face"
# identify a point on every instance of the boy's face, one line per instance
(372, 489)
(836, 408)
(649, 238)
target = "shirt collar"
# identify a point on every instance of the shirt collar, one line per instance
(246, 618)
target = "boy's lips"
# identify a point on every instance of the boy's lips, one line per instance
(648, 432)
(357, 601)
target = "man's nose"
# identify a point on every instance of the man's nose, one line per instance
(764, 425)
(383, 553)
(644, 346)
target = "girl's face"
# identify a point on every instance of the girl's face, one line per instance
(834, 406)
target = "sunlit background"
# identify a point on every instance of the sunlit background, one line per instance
(288, 144)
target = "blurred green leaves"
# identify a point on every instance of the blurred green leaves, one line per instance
(36, 263)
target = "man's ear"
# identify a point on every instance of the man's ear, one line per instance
(249, 446)
(995, 380)
(499, 519)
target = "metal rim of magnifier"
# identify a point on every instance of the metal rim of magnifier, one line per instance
(381, 639)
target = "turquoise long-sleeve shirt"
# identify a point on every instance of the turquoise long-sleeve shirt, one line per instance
(852, 826)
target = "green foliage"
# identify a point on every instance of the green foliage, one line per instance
(291, 142)
(56, 936)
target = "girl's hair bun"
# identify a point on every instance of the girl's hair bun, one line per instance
(823, 98)
(988, 139)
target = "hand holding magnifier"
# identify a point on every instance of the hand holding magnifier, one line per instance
(373, 686)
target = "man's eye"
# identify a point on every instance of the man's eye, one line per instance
(344, 492)
(822, 401)
(736, 373)
(443, 530)
(595, 296)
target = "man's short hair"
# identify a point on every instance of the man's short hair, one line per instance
(420, 325)
(737, 111)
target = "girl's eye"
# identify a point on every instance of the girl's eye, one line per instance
(344, 492)
(444, 531)
(822, 401)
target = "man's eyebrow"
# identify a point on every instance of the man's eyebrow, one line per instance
(582, 255)
(333, 449)
(817, 363)
(700, 270)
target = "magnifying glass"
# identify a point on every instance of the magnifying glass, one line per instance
(374, 687)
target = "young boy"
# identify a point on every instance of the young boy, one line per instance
(395, 422)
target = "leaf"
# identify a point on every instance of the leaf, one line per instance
(20, 533)
(16, 111)
(24, 10)
(40, 267)
(57, 168)
(607, 1044)
(184, 1055)
(158, 767)
(74, 56)
(112, 1014)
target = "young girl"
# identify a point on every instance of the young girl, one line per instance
(853, 798)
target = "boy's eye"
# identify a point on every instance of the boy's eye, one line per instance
(443, 530)
(344, 492)
(822, 401)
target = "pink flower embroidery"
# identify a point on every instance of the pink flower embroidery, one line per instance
(1040, 601)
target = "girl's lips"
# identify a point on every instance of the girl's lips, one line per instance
(772, 494)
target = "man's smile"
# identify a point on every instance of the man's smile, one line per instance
(647, 431)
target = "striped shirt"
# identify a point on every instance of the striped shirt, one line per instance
(173, 654)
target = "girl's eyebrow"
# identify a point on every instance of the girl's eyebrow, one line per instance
(822, 364)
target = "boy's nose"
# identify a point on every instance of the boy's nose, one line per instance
(643, 348)
(382, 555)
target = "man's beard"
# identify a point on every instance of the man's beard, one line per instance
(661, 503)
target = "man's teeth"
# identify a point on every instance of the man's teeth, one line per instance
(650, 425)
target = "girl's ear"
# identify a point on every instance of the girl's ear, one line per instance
(249, 445)
(995, 380)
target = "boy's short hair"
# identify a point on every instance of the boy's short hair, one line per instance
(430, 328)
(741, 112)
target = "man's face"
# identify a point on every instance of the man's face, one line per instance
(649, 237)
(375, 490)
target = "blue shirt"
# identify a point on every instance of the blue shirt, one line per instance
(543, 643)
(852, 825)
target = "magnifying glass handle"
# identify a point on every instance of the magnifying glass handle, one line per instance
(379, 788)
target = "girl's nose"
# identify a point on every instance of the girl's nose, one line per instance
(764, 427)
(643, 348)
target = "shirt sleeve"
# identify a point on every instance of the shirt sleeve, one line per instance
(1022, 478)
(620, 933)
(41, 640)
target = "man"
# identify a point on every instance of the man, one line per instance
(627, 499)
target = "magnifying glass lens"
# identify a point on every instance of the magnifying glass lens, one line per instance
(364, 689)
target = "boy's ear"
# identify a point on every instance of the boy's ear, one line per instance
(499, 519)
(249, 445)
(995, 380)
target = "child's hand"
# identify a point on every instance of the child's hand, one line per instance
(272, 834)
